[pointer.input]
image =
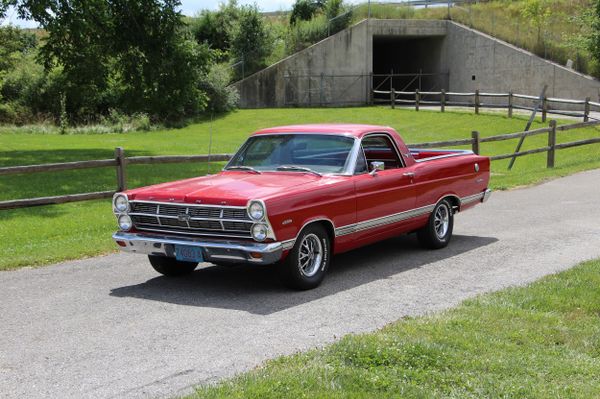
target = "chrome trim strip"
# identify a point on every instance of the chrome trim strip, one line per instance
(472, 198)
(455, 153)
(398, 217)
(382, 221)
(193, 233)
(156, 215)
(187, 204)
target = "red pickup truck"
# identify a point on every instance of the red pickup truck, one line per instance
(293, 196)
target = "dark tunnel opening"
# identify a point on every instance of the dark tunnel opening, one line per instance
(408, 63)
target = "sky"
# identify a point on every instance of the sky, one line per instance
(188, 7)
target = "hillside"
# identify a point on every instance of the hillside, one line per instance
(552, 29)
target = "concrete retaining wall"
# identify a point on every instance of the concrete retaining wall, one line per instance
(336, 71)
(500, 67)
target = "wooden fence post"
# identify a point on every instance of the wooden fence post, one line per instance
(476, 141)
(393, 98)
(510, 104)
(370, 85)
(121, 169)
(544, 108)
(417, 99)
(477, 101)
(586, 110)
(443, 101)
(551, 144)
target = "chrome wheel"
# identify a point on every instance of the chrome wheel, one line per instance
(310, 255)
(441, 221)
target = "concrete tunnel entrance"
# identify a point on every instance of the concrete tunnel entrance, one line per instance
(416, 63)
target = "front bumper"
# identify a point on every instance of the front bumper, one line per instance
(218, 251)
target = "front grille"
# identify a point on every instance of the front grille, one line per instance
(191, 219)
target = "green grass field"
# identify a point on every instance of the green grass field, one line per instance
(539, 341)
(42, 235)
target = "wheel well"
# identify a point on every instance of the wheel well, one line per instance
(454, 202)
(328, 226)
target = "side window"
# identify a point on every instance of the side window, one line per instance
(361, 164)
(381, 149)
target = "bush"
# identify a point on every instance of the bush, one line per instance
(215, 83)
(305, 33)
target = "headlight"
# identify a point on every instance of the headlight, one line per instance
(125, 222)
(256, 210)
(260, 232)
(121, 203)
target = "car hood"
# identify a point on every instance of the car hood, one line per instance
(227, 188)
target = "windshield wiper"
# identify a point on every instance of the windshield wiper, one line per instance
(298, 168)
(242, 167)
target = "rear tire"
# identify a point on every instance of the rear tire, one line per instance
(306, 264)
(438, 231)
(171, 267)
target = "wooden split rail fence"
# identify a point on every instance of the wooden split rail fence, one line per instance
(422, 98)
(476, 140)
(120, 162)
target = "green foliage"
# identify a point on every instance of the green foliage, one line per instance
(537, 341)
(330, 17)
(305, 10)
(127, 55)
(215, 28)
(251, 41)
(14, 44)
(538, 12)
(215, 84)
(338, 16)
(26, 233)
(594, 35)
(305, 33)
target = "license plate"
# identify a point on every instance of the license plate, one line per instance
(187, 253)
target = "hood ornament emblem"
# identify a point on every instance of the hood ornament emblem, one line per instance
(183, 217)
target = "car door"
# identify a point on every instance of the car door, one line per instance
(384, 198)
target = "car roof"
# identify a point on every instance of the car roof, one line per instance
(356, 130)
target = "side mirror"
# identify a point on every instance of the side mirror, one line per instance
(376, 166)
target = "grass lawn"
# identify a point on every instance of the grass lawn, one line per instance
(539, 341)
(48, 234)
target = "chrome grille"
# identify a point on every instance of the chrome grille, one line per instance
(191, 219)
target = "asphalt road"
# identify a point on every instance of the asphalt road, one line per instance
(110, 327)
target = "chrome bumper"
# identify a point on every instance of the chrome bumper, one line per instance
(486, 195)
(219, 251)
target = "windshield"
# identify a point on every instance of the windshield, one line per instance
(321, 153)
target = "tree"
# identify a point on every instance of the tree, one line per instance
(251, 41)
(594, 39)
(538, 11)
(215, 28)
(304, 10)
(127, 54)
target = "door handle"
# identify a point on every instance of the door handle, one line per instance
(409, 174)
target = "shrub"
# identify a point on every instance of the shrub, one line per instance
(222, 97)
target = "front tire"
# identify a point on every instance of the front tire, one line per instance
(306, 264)
(171, 267)
(438, 231)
